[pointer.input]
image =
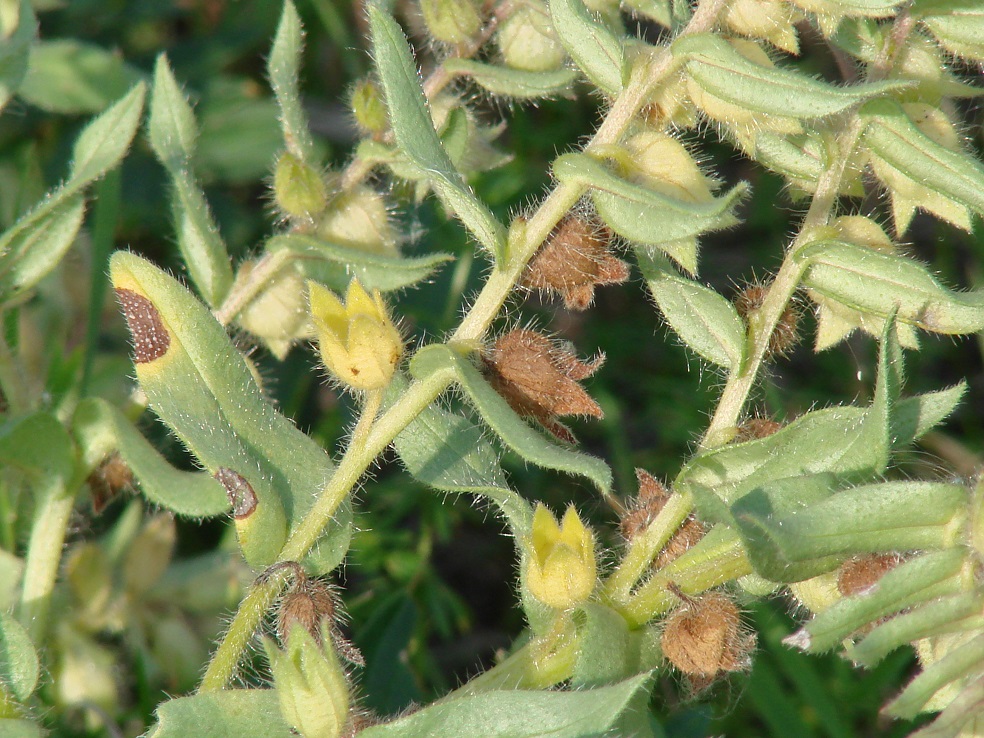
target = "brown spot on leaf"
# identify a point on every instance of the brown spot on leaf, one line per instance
(150, 338)
(240, 492)
(539, 379)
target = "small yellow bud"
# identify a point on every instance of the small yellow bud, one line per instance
(359, 219)
(660, 162)
(298, 189)
(310, 684)
(359, 343)
(561, 572)
(528, 40)
(452, 21)
(368, 108)
(278, 315)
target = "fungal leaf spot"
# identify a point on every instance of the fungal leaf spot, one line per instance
(151, 339)
(240, 492)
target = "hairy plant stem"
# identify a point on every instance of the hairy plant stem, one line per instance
(644, 547)
(13, 382)
(44, 551)
(361, 453)
(358, 457)
(719, 557)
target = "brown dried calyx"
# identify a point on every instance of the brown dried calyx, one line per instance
(539, 379)
(754, 428)
(860, 574)
(311, 603)
(652, 497)
(108, 480)
(703, 637)
(785, 335)
(576, 258)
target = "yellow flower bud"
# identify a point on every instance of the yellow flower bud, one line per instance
(561, 572)
(297, 188)
(310, 684)
(359, 343)
(528, 40)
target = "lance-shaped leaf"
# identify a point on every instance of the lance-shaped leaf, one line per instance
(519, 713)
(231, 713)
(283, 67)
(98, 426)
(335, 265)
(704, 320)
(961, 612)
(896, 141)
(919, 580)
(19, 666)
(15, 50)
(877, 283)
(780, 154)
(201, 386)
(960, 715)
(959, 28)
(32, 247)
(415, 135)
(722, 72)
(643, 215)
(870, 519)
(173, 134)
(959, 663)
(75, 77)
(517, 83)
(855, 442)
(914, 416)
(591, 44)
(513, 430)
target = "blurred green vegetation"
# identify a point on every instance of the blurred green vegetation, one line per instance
(428, 581)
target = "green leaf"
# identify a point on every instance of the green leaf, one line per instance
(15, 51)
(782, 155)
(895, 139)
(658, 10)
(643, 215)
(173, 134)
(959, 663)
(415, 135)
(171, 128)
(959, 29)
(519, 714)
(71, 77)
(36, 250)
(195, 494)
(951, 614)
(335, 265)
(19, 666)
(12, 728)
(875, 518)
(721, 71)
(31, 248)
(594, 48)
(103, 143)
(201, 387)
(517, 83)
(960, 716)
(877, 283)
(231, 713)
(283, 67)
(37, 444)
(609, 652)
(914, 416)
(704, 320)
(495, 411)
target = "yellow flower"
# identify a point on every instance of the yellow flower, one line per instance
(561, 572)
(359, 343)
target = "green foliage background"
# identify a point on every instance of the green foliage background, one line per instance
(427, 578)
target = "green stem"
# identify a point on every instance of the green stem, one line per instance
(644, 548)
(718, 558)
(350, 469)
(13, 381)
(44, 551)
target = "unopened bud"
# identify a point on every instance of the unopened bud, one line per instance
(359, 219)
(368, 107)
(528, 41)
(297, 188)
(452, 21)
(278, 315)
